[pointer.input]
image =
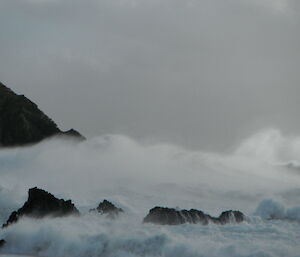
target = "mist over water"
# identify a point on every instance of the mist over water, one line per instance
(261, 178)
(198, 73)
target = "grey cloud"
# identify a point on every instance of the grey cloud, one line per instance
(199, 73)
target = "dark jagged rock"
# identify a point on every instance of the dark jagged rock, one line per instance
(170, 216)
(108, 209)
(74, 134)
(22, 122)
(41, 204)
(2, 243)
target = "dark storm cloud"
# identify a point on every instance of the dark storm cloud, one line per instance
(200, 73)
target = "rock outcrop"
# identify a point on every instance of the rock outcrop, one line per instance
(170, 216)
(74, 134)
(108, 209)
(22, 122)
(231, 217)
(41, 204)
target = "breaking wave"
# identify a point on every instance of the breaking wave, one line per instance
(138, 176)
(270, 209)
(93, 236)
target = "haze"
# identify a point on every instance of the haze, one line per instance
(203, 73)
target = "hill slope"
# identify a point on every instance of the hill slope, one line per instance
(22, 122)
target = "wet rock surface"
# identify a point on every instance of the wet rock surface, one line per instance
(41, 204)
(231, 217)
(171, 216)
(23, 123)
(108, 209)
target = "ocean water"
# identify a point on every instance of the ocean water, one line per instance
(95, 236)
(260, 177)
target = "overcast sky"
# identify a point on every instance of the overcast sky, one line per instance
(201, 73)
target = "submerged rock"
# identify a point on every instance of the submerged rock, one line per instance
(108, 209)
(22, 122)
(170, 216)
(41, 204)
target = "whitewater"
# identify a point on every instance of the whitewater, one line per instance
(260, 177)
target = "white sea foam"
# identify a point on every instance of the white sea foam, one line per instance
(94, 236)
(270, 209)
(138, 176)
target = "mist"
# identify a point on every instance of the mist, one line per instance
(133, 173)
(256, 177)
(203, 74)
(184, 104)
